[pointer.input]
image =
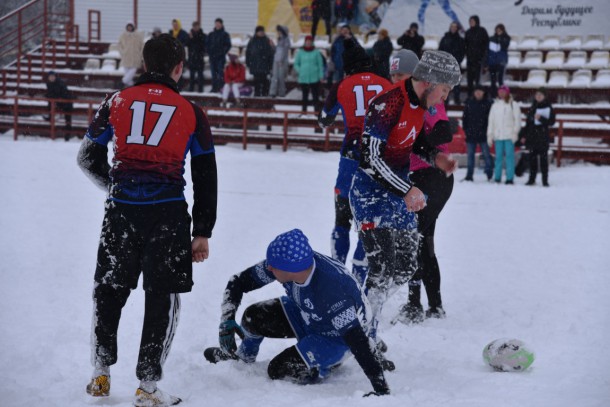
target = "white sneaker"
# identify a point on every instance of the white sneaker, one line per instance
(154, 399)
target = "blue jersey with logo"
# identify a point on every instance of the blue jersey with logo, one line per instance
(330, 302)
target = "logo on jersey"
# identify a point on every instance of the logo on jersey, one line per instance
(310, 356)
(412, 135)
(394, 64)
(402, 125)
(308, 303)
(156, 92)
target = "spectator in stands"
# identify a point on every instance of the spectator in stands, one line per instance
(57, 89)
(320, 9)
(309, 66)
(474, 122)
(345, 10)
(235, 76)
(445, 5)
(259, 60)
(540, 117)
(477, 43)
(280, 62)
(196, 46)
(336, 52)
(156, 32)
(382, 51)
(218, 46)
(453, 43)
(497, 57)
(131, 44)
(412, 40)
(502, 131)
(177, 32)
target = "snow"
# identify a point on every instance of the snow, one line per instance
(521, 262)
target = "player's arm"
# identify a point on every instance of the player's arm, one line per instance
(329, 111)
(248, 280)
(204, 177)
(359, 345)
(93, 153)
(381, 117)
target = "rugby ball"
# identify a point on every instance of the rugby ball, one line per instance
(508, 355)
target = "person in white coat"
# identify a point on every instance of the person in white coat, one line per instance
(131, 44)
(502, 132)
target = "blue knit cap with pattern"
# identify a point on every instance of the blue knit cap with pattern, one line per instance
(290, 252)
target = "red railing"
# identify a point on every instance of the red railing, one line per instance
(598, 153)
(35, 22)
(94, 26)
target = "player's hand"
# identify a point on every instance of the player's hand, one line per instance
(446, 163)
(415, 200)
(200, 249)
(226, 335)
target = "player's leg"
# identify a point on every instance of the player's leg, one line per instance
(117, 272)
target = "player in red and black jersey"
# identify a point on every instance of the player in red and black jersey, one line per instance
(352, 96)
(383, 198)
(147, 226)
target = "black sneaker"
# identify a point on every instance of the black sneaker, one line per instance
(411, 314)
(437, 312)
(509, 182)
(545, 184)
(468, 179)
(530, 182)
(381, 346)
(215, 355)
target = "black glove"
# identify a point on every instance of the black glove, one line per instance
(226, 335)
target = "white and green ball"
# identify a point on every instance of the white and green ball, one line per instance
(508, 355)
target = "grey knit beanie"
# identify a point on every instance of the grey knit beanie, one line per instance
(438, 67)
(404, 61)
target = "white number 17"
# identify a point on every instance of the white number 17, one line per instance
(359, 91)
(137, 123)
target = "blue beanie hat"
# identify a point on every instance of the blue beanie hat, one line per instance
(290, 252)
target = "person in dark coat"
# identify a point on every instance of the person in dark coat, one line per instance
(497, 57)
(453, 43)
(259, 60)
(336, 52)
(177, 32)
(477, 43)
(196, 46)
(57, 89)
(382, 51)
(218, 45)
(540, 117)
(320, 9)
(412, 40)
(474, 122)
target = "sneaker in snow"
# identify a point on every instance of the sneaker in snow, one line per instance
(215, 355)
(438, 313)
(99, 386)
(154, 399)
(381, 346)
(411, 314)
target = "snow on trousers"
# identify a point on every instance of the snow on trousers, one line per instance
(388, 232)
(340, 243)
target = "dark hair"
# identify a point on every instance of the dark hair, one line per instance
(501, 27)
(162, 54)
(219, 20)
(414, 25)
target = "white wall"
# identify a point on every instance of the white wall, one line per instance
(160, 13)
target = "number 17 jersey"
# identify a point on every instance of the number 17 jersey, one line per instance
(353, 95)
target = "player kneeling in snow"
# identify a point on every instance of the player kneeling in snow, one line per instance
(324, 308)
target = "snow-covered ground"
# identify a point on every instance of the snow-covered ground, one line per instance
(524, 262)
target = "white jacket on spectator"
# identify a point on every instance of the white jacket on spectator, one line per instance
(131, 45)
(504, 121)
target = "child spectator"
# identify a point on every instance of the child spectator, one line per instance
(235, 76)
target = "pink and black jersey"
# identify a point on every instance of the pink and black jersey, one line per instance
(352, 95)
